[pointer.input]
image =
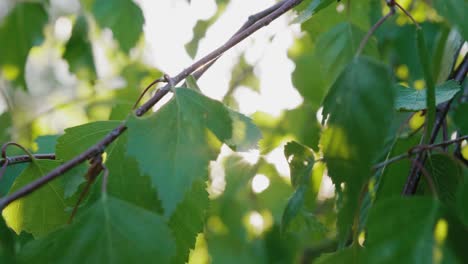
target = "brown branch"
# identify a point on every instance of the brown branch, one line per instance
(252, 26)
(26, 158)
(414, 176)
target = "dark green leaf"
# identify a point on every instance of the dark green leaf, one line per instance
(79, 52)
(20, 31)
(454, 12)
(409, 99)
(301, 161)
(460, 118)
(447, 176)
(126, 24)
(361, 98)
(111, 231)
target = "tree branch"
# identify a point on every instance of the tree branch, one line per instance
(238, 37)
(414, 176)
(252, 25)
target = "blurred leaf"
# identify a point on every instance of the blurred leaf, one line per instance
(414, 229)
(410, 99)
(192, 83)
(166, 135)
(79, 51)
(361, 98)
(42, 211)
(5, 126)
(318, 67)
(350, 255)
(451, 46)
(126, 25)
(245, 134)
(454, 12)
(462, 200)
(243, 75)
(358, 14)
(111, 231)
(312, 9)
(200, 28)
(7, 243)
(460, 118)
(394, 176)
(301, 161)
(20, 30)
(302, 123)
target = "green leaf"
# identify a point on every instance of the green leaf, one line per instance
(460, 119)
(200, 28)
(450, 45)
(111, 231)
(314, 7)
(78, 139)
(454, 12)
(447, 176)
(293, 208)
(43, 210)
(414, 229)
(462, 200)
(125, 180)
(5, 125)
(188, 220)
(126, 24)
(317, 70)
(176, 145)
(410, 99)
(243, 74)
(359, 107)
(20, 31)
(79, 51)
(350, 255)
(7, 243)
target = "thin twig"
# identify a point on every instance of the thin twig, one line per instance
(114, 134)
(417, 150)
(26, 158)
(373, 29)
(146, 90)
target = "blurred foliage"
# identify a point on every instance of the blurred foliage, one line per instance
(195, 181)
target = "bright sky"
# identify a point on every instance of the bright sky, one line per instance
(169, 27)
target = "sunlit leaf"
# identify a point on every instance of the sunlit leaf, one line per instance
(177, 150)
(314, 7)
